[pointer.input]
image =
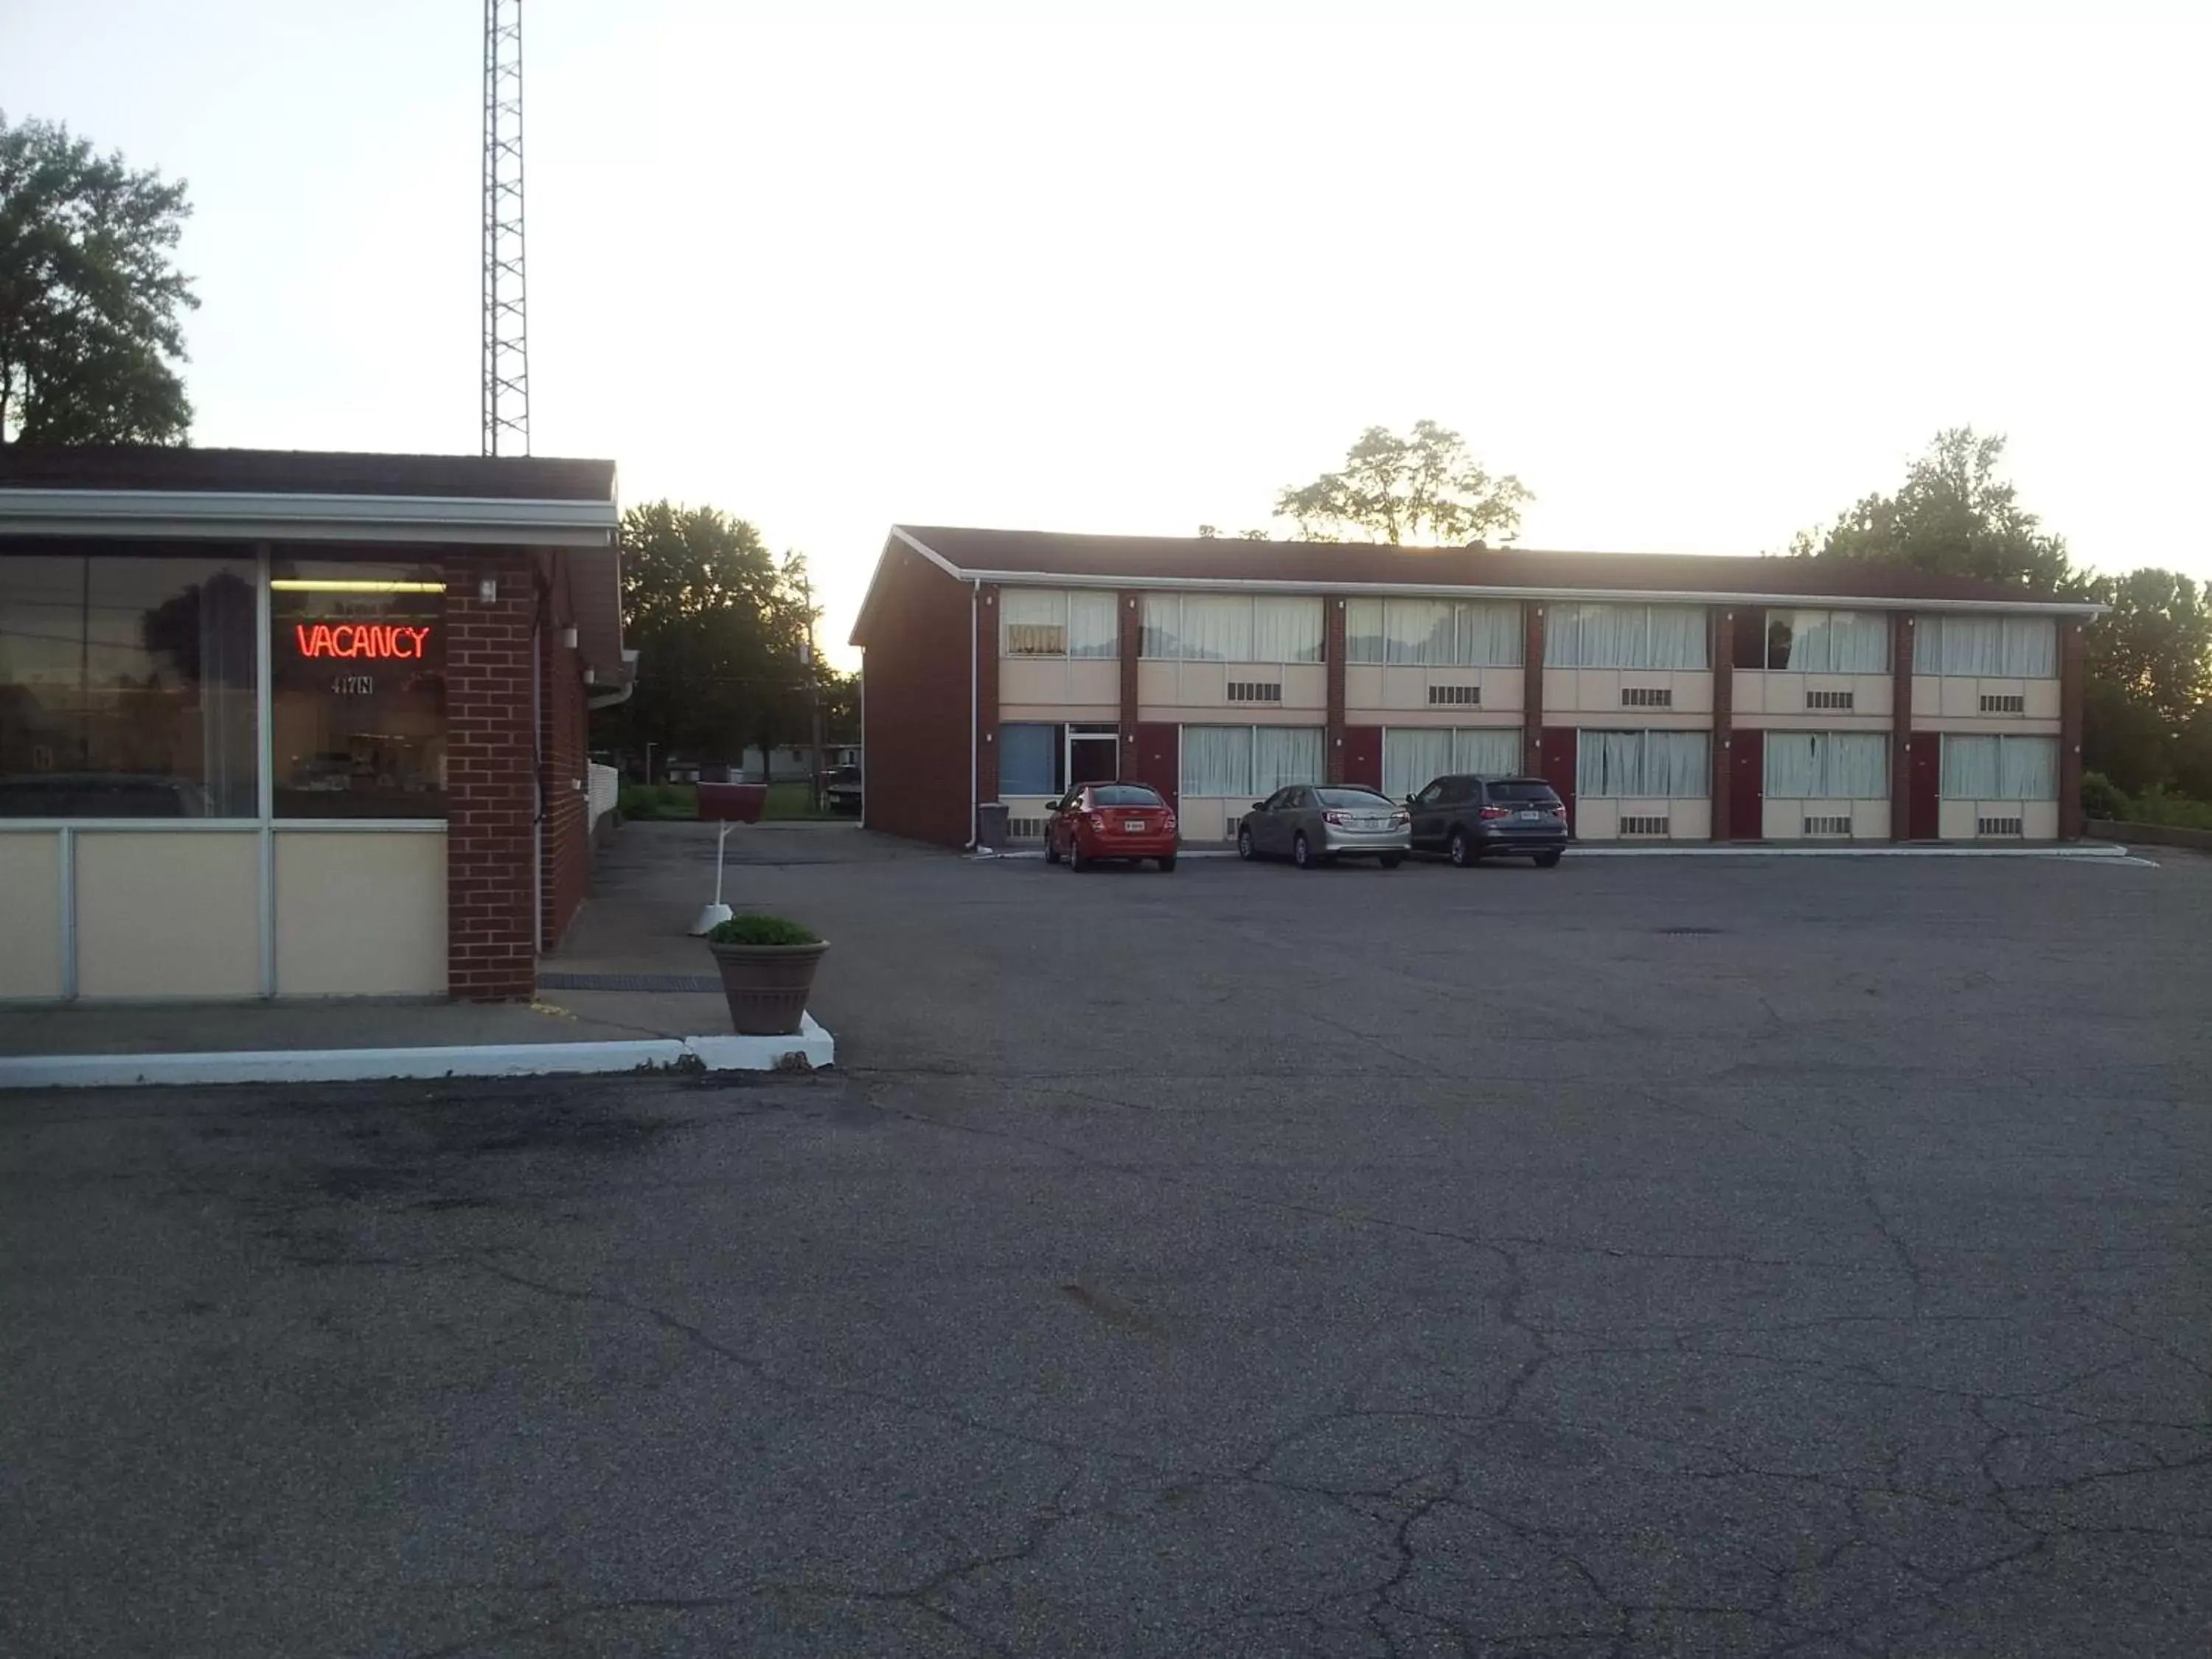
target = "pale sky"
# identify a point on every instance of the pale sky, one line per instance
(1702, 275)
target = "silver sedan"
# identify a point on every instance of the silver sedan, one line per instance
(1315, 823)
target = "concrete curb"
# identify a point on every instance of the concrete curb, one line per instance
(713, 1053)
(1730, 850)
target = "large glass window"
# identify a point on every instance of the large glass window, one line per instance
(1413, 755)
(1828, 641)
(357, 655)
(1828, 765)
(127, 686)
(1643, 765)
(1248, 760)
(1987, 648)
(1232, 627)
(1977, 767)
(1600, 635)
(1044, 622)
(1029, 756)
(1433, 633)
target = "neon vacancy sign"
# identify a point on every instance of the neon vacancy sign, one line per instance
(374, 641)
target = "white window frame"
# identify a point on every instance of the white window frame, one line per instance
(1182, 653)
(2002, 741)
(1829, 612)
(1067, 599)
(1465, 634)
(1930, 646)
(1562, 609)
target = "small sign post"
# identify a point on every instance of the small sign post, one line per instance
(726, 804)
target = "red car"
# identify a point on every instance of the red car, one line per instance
(1110, 820)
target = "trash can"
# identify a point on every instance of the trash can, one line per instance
(991, 827)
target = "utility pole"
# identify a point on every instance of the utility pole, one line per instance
(506, 351)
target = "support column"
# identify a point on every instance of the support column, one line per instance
(987, 700)
(1532, 689)
(1130, 607)
(1901, 640)
(491, 781)
(1332, 660)
(2072, 639)
(1720, 654)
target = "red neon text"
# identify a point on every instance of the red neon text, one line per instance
(360, 639)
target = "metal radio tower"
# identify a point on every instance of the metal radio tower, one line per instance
(506, 338)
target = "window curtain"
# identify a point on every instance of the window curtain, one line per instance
(1828, 765)
(1412, 756)
(1677, 763)
(1970, 767)
(1603, 637)
(2031, 651)
(1029, 759)
(1609, 764)
(1034, 620)
(1094, 625)
(2027, 769)
(1284, 754)
(1161, 634)
(1960, 645)
(1803, 637)
(1643, 765)
(1362, 630)
(1494, 752)
(1678, 638)
(1858, 642)
(1489, 635)
(1217, 629)
(1793, 765)
(1216, 760)
(1285, 630)
(1418, 631)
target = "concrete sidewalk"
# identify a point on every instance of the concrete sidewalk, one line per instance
(630, 979)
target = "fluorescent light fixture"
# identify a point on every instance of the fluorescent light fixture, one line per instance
(322, 585)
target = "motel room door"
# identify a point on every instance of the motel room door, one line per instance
(1558, 768)
(1746, 785)
(1923, 805)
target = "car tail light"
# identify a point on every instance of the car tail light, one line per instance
(1332, 818)
(1558, 809)
(1097, 822)
(1498, 811)
(1167, 823)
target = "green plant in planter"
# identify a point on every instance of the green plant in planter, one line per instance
(761, 930)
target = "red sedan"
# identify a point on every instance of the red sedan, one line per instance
(1110, 820)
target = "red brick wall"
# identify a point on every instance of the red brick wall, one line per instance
(1720, 652)
(565, 852)
(491, 795)
(1901, 646)
(987, 697)
(1532, 688)
(915, 678)
(1334, 759)
(2071, 817)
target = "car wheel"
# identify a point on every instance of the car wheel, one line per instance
(1244, 847)
(1167, 864)
(1392, 860)
(1051, 850)
(1462, 850)
(1076, 861)
(1301, 855)
(1545, 860)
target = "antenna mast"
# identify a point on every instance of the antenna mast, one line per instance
(506, 403)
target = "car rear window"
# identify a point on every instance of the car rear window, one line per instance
(1521, 789)
(1352, 798)
(1126, 794)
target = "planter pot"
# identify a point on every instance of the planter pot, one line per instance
(766, 985)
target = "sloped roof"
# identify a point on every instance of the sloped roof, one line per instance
(304, 472)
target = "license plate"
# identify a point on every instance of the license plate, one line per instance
(1132, 826)
(1533, 817)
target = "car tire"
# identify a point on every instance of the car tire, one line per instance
(1076, 861)
(1245, 850)
(1051, 850)
(1392, 860)
(1462, 851)
(1167, 864)
(1302, 855)
(1545, 860)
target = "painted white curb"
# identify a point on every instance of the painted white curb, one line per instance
(713, 1053)
(1727, 850)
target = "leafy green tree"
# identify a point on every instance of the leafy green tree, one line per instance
(1425, 486)
(2155, 644)
(90, 297)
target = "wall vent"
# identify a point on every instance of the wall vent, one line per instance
(1455, 694)
(1256, 691)
(1643, 826)
(1025, 829)
(1647, 696)
(1827, 826)
(2011, 702)
(1829, 698)
(1997, 826)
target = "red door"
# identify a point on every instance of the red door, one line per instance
(1924, 815)
(1746, 785)
(1362, 756)
(1158, 759)
(1559, 768)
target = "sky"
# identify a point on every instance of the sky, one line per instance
(1700, 275)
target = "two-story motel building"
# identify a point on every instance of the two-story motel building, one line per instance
(1667, 698)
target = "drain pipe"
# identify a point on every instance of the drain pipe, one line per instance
(974, 607)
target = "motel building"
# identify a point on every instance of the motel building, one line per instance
(279, 723)
(1666, 698)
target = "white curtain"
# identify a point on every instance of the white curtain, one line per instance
(1489, 635)
(1094, 625)
(1493, 751)
(1216, 627)
(1970, 767)
(1216, 760)
(1609, 764)
(1858, 642)
(1678, 638)
(1828, 765)
(1959, 645)
(1599, 636)
(1418, 631)
(1284, 754)
(1161, 632)
(2027, 769)
(1644, 765)
(1411, 756)
(1679, 762)
(1362, 630)
(1034, 620)
(1285, 630)
(2031, 652)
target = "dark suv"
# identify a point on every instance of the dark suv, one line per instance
(1469, 818)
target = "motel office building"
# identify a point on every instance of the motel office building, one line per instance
(295, 724)
(1666, 698)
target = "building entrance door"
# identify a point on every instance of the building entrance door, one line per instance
(1094, 755)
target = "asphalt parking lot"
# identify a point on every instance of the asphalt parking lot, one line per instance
(1642, 1257)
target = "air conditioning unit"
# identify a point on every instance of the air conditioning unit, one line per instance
(1830, 699)
(1647, 696)
(2004, 703)
(1997, 826)
(1455, 694)
(1637, 824)
(1025, 829)
(1256, 691)
(1827, 824)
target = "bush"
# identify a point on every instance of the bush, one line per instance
(2156, 805)
(2101, 797)
(762, 930)
(656, 800)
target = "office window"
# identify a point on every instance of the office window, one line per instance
(1030, 758)
(1034, 622)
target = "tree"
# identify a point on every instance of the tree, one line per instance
(1392, 489)
(1954, 513)
(2155, 644)
(90, 296)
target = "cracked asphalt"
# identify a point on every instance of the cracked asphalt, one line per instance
(1644, 1257)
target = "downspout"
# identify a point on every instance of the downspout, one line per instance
(974, 778)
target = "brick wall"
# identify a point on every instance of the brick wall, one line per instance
(987, 697)
(491, 795)
(566, 850)
(915, 701)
